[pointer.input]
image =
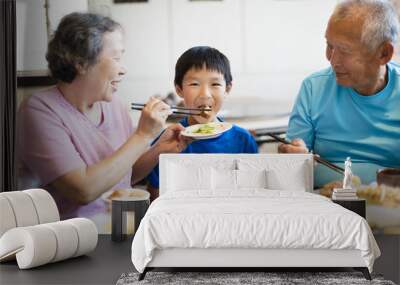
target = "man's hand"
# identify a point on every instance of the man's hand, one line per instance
(171, 141)
(296, 146)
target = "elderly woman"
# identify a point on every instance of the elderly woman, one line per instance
(77, 138)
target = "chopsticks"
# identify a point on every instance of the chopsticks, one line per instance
(316, 157)
(136, 106)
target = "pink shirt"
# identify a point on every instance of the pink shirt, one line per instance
(54, 138)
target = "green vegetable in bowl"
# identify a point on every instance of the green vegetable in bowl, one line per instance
(205, 130)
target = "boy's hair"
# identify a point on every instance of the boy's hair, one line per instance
(200, 56)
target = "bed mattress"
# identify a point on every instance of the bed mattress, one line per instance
(250, 219)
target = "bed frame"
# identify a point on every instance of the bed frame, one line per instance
(245, 259)
(249, 259)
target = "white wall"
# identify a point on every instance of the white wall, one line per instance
(272, 44)
(32, 33)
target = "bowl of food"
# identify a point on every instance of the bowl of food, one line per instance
(389, 177)
(383, 206)
(125, 194)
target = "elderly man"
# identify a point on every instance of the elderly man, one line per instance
(352, 108)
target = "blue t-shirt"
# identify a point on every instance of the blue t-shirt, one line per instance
(336, 122)
(236, 140)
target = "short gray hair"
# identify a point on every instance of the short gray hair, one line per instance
(78, 40)
(381, 23)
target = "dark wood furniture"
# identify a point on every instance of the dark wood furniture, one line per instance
(118, 215)
(356, 206)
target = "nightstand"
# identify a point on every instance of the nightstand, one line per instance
(357, 206)
(137, 202)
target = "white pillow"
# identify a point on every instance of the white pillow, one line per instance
(226, 179)
(293, 180)
(283, 172)
(188, 177)
(223, 179)
(251, 178)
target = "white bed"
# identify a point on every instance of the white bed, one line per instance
(230, 211)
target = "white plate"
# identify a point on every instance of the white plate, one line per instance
(218, 129)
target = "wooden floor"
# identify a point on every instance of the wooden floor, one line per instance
(102, 266)
(110, 259)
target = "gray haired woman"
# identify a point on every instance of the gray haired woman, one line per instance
(77, 137)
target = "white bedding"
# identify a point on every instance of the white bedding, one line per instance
(251, 218)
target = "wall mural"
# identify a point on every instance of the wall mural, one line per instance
(383, 198)
(397, 51)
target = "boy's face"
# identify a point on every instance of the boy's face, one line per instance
(202, 88)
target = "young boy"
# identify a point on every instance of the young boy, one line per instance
(203, 79)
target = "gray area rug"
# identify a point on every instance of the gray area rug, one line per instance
(229, 278)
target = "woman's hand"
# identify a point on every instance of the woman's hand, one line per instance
(153, 117)
(171, 141)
